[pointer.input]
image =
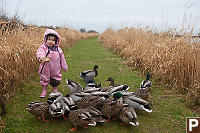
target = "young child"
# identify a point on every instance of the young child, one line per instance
(52, 60)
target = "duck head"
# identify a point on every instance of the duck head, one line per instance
(110, 79)
(117, 95)
(96, 67)
(148, 76)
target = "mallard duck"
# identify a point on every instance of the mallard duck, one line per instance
(128, 116)
(74, 96)
(74, 86)
(91, 73)
(112, 107)
(57, 106)
(96, 114)
(134, 102)
(56, 110)
(69, 103)
(137, 103)
(119, 88)
(38, 109)
(88, 79)
(88, 101)
(142, 93)
(81, 118)
(54, 97)
(112, 83)
(112, 89)
(146, 84)
(91, 87)
(106, 89)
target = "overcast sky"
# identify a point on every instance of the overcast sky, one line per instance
(101, 14)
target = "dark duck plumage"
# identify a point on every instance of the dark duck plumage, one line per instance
(88, 79)
(90, 73)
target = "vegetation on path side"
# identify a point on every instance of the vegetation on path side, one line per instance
(169, 111)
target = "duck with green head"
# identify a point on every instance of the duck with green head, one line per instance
(146, 84)
(90, 73)
(143, 91)
(134, 102)
(112, 107)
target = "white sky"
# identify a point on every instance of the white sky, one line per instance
(101, 14)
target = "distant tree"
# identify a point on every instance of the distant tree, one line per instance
(82, 30)
(58, 27)
(92, 31)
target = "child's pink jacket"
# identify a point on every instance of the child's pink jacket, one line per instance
(58, 62)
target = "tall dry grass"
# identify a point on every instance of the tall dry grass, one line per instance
(173, 61)
(18, 52)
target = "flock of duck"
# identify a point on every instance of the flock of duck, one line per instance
(89, 105)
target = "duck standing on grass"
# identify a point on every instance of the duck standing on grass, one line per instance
(146, 84)
(143, 91)
(88, 76)
(90, 73)
(134, 102)
(38, 109)
(112, 108)
(137, 103)
(81, 118)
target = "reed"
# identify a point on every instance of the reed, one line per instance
(173, 61)
(18, 48)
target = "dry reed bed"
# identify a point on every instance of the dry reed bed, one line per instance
(18, 48)
(172, 61)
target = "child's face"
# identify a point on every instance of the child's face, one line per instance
(51, 40)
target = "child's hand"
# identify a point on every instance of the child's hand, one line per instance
(44, 59)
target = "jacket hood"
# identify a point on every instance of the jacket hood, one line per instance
(50, 31)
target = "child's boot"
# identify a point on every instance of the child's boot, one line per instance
(55, 89)
(44, 92)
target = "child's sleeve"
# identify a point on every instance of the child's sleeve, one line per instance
(63, 62)
(40, 52)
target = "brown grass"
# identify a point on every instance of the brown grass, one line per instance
(18, 52)
(173, 61)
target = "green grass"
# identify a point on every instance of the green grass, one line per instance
(169, 111)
